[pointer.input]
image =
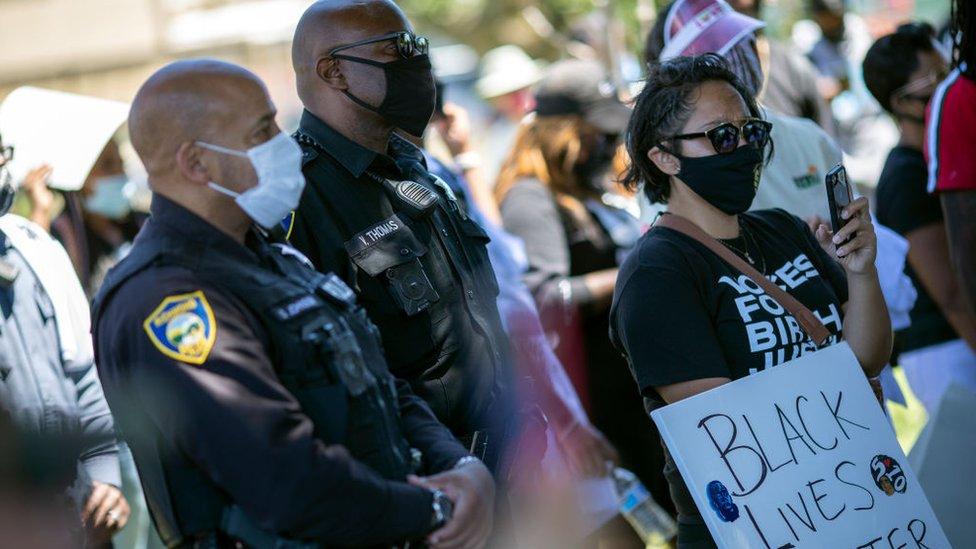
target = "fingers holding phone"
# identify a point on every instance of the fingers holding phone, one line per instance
(854, 245)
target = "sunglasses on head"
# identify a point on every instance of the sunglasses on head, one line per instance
(725, 137)
(407, 43)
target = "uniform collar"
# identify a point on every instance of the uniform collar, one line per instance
(351, 155)
(175, 218)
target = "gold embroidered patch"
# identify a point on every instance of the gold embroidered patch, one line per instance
(183, 327)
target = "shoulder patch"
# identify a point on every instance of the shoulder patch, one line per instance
(288, 223)
(183, 327)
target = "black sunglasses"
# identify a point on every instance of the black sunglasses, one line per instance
(407, 44)
(725, 137)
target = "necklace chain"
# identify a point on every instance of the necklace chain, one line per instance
(749, 241)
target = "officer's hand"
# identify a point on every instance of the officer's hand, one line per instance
(105, 513)
(586, 450)
(472, 490)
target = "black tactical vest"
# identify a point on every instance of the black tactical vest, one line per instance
(325, 351)
(426, 278)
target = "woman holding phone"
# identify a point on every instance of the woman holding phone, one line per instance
(686, 319)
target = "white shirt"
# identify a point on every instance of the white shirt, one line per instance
(794, 178)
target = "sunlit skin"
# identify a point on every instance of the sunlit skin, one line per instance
(867, 327)
(210, 101)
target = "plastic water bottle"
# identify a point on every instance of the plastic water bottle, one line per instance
(652, 523)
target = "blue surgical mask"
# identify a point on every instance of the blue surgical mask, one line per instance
(108, 197)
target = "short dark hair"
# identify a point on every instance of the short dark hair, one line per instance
(663, 106)
(893, 58)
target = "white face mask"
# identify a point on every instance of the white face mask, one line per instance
(109, 197)
(278, 163)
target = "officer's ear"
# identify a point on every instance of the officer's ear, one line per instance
(328, 70)
(189, 162)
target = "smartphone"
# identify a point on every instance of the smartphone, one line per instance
(839, 195)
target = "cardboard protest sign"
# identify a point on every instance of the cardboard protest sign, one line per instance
(65, 130)
(799, 455)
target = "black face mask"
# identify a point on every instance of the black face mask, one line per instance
(726, 181)
(410, 93)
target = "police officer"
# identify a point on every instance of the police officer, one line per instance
(48, 381)
(374, 215)
(253, 390)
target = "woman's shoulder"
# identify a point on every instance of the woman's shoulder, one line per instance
(662, 253)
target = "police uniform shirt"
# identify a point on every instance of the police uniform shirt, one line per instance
(446, 338)
(41, 391)
(208, 387)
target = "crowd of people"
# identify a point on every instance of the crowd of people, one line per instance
(396, 327)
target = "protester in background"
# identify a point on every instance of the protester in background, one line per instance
(507, 77)
(829, 53)
(107, 224)
(791, 80)
(836, 41)
(50, 385)
(96, 224)
(582, 445)
(698, 142)
(74, 153)
(902, 70)
(551, 192)
(951, 132)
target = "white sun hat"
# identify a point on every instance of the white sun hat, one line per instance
(506, 69)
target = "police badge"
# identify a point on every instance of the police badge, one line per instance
(183, 328)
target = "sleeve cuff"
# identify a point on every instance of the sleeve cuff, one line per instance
(104, 468)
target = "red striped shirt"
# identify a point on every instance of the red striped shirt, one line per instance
(950, 143)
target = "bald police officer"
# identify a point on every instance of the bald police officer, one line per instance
(252, 389)
(374, 215)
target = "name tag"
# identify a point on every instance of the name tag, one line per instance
(374, 235)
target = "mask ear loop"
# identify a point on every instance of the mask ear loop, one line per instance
(352, 97)
(218, 148)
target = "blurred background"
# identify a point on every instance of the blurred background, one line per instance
(106, 48)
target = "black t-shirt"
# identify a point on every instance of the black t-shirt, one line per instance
(904, 205)
(682, 313)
